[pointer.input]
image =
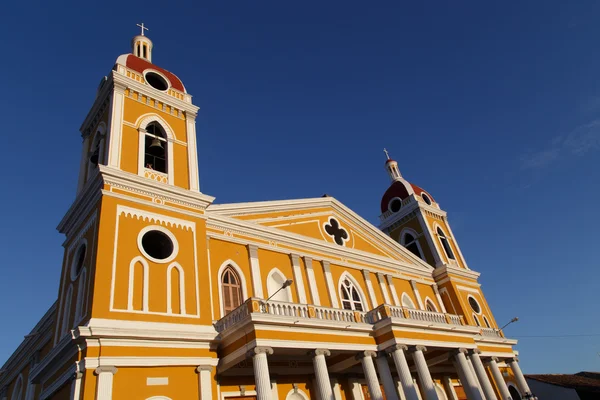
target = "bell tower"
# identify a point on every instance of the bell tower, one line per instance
(135, 244)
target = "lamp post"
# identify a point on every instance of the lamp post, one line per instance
(286, 284)
(515, 319)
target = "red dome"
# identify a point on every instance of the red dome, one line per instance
(140, 65)
(398, 189)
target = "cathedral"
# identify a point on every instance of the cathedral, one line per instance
(164, 295)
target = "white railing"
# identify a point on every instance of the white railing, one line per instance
(491, 332)
(293, 310)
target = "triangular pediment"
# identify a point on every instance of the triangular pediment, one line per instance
(323, 219)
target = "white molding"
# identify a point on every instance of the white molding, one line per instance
(192, 152)
(257, 286)
(298, 280)
(240, 274)
(157, 72)
(58, 383)
(226, 395)
(142, 123)
(416, 237)
(427, 299)
(444, 291)
(157, 381)
(384, 289)
(407, 301)
(98, 327)
(330, 286)
(115, 118)
(435, 251)
(95, 362)
(181, 284)
(131, 283)
(288, 290)
(81, 294)
(390, 280)
(300, 392)
(415, 289)
(166, 232)
(346, 275)
(312, 282)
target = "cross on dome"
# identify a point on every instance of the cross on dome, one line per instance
(386, 153)
(143, 28)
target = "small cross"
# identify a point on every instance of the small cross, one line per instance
(386, 153)
(143, 28)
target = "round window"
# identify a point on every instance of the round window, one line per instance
(156, 81)
(395, 205)
(426, 198)
(78, 261)
(157, 245)
(474, 305)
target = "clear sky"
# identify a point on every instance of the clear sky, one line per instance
(492, 108)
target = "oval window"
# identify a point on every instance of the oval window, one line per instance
(78, 261)
(157, 245)
(395, 204)
(474, 305)
(156, 81)
(426, 198)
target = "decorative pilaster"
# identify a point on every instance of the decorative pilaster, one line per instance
(390, 281)
(312, 282)
(115, 119)
(366, 358)
(298, 280)
(408, 386)
(516, 369)
(439, 298)
(386, 377)
(330, 285)
(384, 289)
(366, 275)
(255, 271)
(415, 289)
(75, 388)
(261, 372)
(465, 375)
(205, 381)
(492, 363)
(321, 373)
(482, 376)
(425, 379)
(105, 382)
(190, 121)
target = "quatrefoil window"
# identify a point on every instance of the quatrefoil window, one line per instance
(339, 234)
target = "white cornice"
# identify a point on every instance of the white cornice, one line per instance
(404, 211)
(325, 202)
(81, 207)
(440, 272)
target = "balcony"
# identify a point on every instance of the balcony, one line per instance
(295, 312)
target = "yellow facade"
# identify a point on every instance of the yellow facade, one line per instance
(165, 295)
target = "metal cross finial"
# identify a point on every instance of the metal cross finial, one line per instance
(386, 153)
(143, 28)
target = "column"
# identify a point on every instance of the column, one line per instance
(474, 375)
(397, 352)
(415, 289)
(390, 280)
(312, 281)
(423, 371)
(190, 121)
(366, 359)
(449, 388)
(370, 288)
(467, 379)
(439, 298)
(498, 378)
(75, 388)
(255, 271)
(321, 373)
(105, 382)
(513, 363)
(484, 381)
(298, 280)
(384, 289)
(386, 376)
(205, 381)
(261, 372)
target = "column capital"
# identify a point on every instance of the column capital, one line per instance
(109, 369)
(77, 375)
(494, 359)
(412, 349)
(435, 288)
(474, 351)
(319, 352)
(260, 350)
(366, 273)
(295, 259)
(366, 353)
(459, 350)
(253, 250)
(513, 359)
(383, 353)
(395, 347)
(200, 368)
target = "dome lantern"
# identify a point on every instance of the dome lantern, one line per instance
(141, 46)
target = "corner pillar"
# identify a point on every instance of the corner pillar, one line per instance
(105, 382)
(205, 381)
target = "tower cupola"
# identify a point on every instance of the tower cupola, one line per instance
(141, 46)
(392, 168)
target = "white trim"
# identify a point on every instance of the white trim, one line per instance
(142, 123)
(167, 81)
(157, 397)
(390, 280)
(177, 266)
(81, 293)
(240, 274)
(336, 219)
(298, 279)
(437, 385)
(390, 204)
(509, 384)
(145, 280)
(115, 118)
(478, 304)
(95, 362)
(58, 383)
(257, 285)
(367, 278)
(347, 275)
(300, 392)
(450, 260)
(426, 197)
(166, 232)
(157, 381)
(66, 315)
(72, 273)
(330, 286)
(18, 385)
(225, 395)
(407, 301)
(445, 291)
(384, 289)
(427, 299)
(312, 281)
(416, 236)
(192, 152)
(415, 289)
(288, 290)
(435, 251)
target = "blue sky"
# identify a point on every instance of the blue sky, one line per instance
(493, 108)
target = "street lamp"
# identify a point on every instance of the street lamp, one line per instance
(515, 319)
(286, 284)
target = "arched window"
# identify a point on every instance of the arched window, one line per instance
(409, 241)
(514, 393)
(155, 148)
(275, 281)
(139, 282)
(487, 323)
(66, 317)
(476, 320)
(17, 393)
(175, 289)
(231, 289)
(81, 293)
(445, 243)
(429, 306)
(407, 301)
(351, 299)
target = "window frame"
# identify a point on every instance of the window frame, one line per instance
(443, 239)
(413, 233)
(353, 284)
(169, 137)
(240, 274)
